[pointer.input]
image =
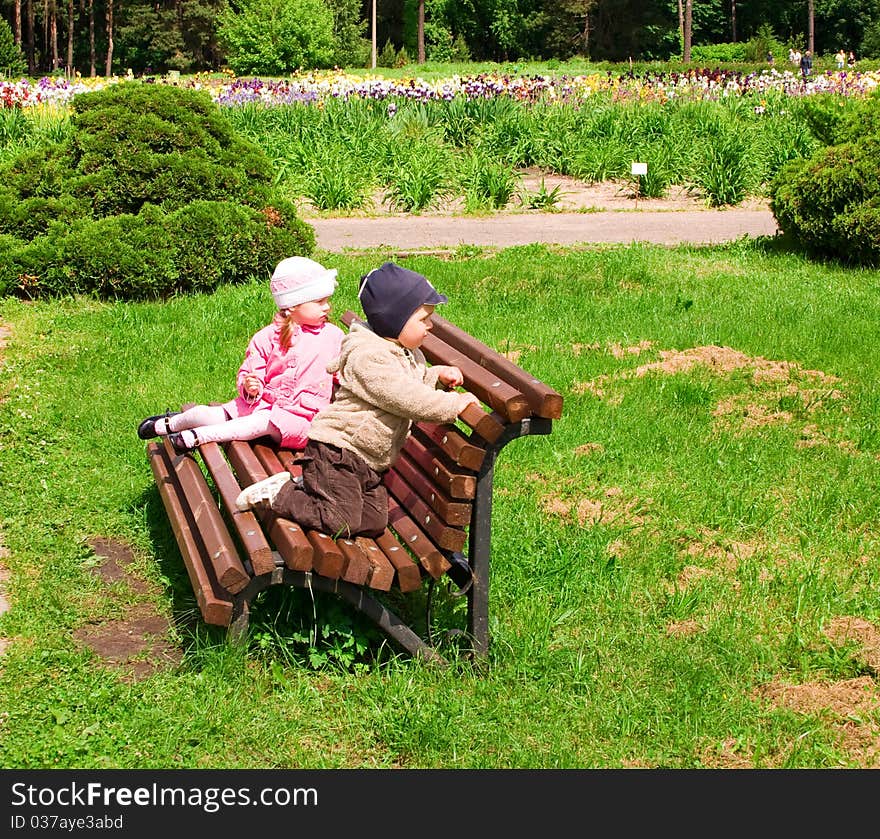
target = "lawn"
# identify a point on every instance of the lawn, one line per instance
(685, 573)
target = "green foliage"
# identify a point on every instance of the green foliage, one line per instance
(764, 41)
(151, 191)
(12, 60)
(828, 203)
(155, 253)
(542, 198)
(723, 171)
(276, 37)
(489, 184)
(147, 38)
(824, 115)
(715, 53)
(387, 55)
(349, 30)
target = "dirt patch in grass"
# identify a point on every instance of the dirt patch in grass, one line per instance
(139, 645)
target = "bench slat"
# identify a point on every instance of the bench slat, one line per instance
(245, 523)
(452, 443)
(409, 577)
(287, 536)
(329, 560)
(487, 386)
(448, 538)
(220, 548)
(433, 461)
(543, 400)
(357, 569)
(489, 426)
(291, 541)
(381, 574)
(457, 513)
(214, 603)
(412, 536)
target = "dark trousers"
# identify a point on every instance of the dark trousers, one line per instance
(340, 494)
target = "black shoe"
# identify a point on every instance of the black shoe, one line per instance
(176, 440)
(147, 428)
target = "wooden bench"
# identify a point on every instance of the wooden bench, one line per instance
(440, 505)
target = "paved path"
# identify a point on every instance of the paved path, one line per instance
(437, 232)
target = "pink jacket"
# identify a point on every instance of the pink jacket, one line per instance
(295, 384)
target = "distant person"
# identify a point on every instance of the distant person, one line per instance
(806, 64)
(769, 57)
(384, 385)
(795, 57)
(282, 382)
(840, 58)
(851, 62)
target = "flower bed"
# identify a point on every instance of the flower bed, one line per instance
(316, 87)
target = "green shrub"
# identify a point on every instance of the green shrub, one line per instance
(387, 56)
(719, 53)
(276, 37)
(12, 61)
(820, 202)
(155, 254)
(152, 192)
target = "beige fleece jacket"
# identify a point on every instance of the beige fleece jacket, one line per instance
(383, 387)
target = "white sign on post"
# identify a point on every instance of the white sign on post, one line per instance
(639, 168)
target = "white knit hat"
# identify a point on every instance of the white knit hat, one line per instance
(297, 280)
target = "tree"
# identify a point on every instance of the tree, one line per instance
(275, 37)
(11, 57)
(349, 29)
(811, 27)
(686, 33)
(421, 35)
(109, 63)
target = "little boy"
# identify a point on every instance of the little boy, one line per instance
(384, 385)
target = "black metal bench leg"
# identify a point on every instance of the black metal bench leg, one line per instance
(238, 628)
(480, 550)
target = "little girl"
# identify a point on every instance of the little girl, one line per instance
(283, 381)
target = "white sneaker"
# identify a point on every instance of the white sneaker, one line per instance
(262, 492)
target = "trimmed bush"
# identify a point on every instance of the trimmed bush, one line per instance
(153, 192)
(154, 254)
(828, 204)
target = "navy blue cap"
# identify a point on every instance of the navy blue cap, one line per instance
(390, 294)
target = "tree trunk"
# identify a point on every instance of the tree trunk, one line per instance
(31, 37)
(70, 37)
(811, 27)
(53, 36)
(681, 24)
(109, 66)
(688, 17)
(92, 71)
(373, 35)
(16, 29)
(421, 35)
(733, 21)
(586, 35)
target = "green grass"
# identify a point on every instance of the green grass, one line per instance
(659, 562)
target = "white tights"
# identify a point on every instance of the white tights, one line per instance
(211, 424)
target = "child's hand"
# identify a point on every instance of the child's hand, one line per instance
(252, 385)
(450, 376)
(465, 399)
